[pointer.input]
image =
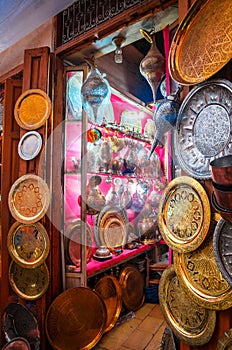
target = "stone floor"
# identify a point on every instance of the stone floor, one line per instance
(142, 332)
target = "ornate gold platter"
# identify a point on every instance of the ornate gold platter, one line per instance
(225, 341)
(184, 214)
(28, 244)
(202, 44)
(75, 319)
(29, 284)
(110, 291)
(17, 343)
(190, 322)
(201, 278)
(32, 109)
(132, 284)
(29, 199)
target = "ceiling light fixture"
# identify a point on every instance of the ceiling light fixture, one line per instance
(118, 41)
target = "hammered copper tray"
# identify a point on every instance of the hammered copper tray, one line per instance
(184, 214)
(132, 284)
(32, 109)
(29, 284)
(201, 278)
(202, 44)
(222, 245)
(190, 322)
(225, 340)
(28, 244)
(110, 291)
(29, 199)
(17, 344)
(204, 127)
(75, 319)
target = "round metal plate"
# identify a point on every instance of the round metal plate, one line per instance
(225, 341)
(17, 344)
(132, 284)
(29, 199)
(201, 278)
(28, 244)
(32, 109)
(168, 341)
(222, 245)
(110, 291)
(18, 321)
(75, 319)
(202, 44)
(190, 322)
(29, 284)
(184, 214)
(204, 127)
(30, 145)
(112, 232)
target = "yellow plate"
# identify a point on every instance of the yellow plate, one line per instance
(28, 244)
(184, 214)
(32, 109)
(202, 44)
(190, 322)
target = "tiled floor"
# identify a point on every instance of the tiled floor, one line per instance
(142, 332)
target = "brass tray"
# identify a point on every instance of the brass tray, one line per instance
(223, 248)
(184, 214)
(28, 244)
(18, 321)
(32, 109)
(17, 343)
(202, 44)
(201, 278)
(225, 340)
(190, 322)
(75, 319)
(110, 291)
(29, 145)
(199, 137)
(29, 284)
(29, 199)
(132, 284)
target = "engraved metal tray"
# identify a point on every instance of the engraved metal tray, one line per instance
(190, 322)
(29, 145)
(184, 214)
(17, 343)
(202, 44)
(225, 340)
(204, 127)
(222, 245)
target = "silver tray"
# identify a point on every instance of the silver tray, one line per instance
(30, 145)
(204, 127)
(222, 245)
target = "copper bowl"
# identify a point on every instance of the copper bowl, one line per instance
(221, 170)
(225, 213)
(223, 198)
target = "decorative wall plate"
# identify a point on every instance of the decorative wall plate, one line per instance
(225, 340)
(110, 291)
(202, 44)
(75, 319)
(29, 284)
(222, 245)
(169, 341)
(32, 109)
(18, 321)
(201, 278)
(29, 199)
(17, 343)
(132, 283)
(204, 127)
(190, 322)
(73, 243)
(184, 214)
(112, 232)
(30, 145)
(28, 244)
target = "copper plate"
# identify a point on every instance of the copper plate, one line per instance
(29, 199)
(184, 214)
(190, 322)
(132, 283)
(75, 319)
(29, 145)
(17, 344)
(201, 278)
(32, 109)
(18, 321)
(29, 284)
(204, 127)
(202, 44)
(73, 243)
(225, 341)
(222, 246)
(110, 291)
(28, 244)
